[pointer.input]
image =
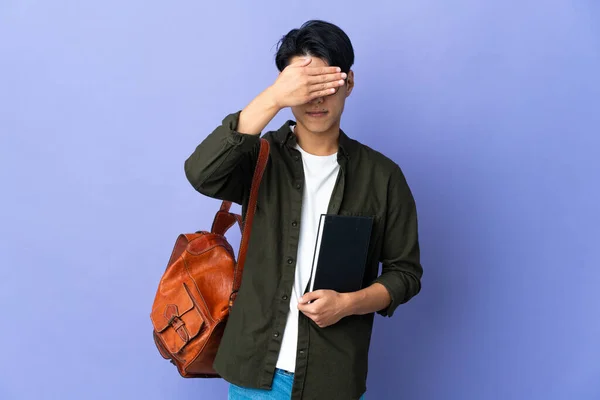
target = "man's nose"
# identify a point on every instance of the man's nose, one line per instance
(318, 100)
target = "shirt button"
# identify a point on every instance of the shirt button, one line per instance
(295, 224)
(301, 352)
(276, 335)
(284, 297)
(297, 158)
(298, 186)
(290, 260)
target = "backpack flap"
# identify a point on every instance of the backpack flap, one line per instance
(177, 321)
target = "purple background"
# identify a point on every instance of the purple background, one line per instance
(491, 108)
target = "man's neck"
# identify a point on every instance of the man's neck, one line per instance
(319, 144)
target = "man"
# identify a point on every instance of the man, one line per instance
(282, 342)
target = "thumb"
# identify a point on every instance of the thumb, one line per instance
(309, 297)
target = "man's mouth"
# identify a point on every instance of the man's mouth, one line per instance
(316, 114)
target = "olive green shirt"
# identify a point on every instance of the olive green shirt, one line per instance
(331, 362)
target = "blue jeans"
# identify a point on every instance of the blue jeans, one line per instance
(280, 390)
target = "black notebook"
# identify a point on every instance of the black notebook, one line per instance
(340, 253)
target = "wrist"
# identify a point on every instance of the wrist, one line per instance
(270, 99)
(348, 303)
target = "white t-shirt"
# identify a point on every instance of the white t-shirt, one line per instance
(320, 175)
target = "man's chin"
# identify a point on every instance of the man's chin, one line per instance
(317, 127)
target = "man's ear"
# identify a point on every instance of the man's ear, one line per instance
(349, 83)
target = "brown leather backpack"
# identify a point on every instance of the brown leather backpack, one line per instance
(199, 287)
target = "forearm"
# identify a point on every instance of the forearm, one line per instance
(368, 300)
(258, 113)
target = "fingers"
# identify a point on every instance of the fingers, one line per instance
(311, 296)
(321, 93)
(325, 87)
(317, 319)
(312, 82)
(308, 309)
(324, 78)
(324, 83)
(322, 70)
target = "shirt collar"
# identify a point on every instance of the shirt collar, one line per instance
(285, 136)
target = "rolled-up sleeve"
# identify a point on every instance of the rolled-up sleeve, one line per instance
(222, 165)
(400, 256)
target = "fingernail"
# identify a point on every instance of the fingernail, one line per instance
(339, 69)
(344, 75)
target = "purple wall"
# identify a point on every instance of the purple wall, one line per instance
(491, 108)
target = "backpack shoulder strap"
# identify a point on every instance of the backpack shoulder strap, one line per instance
(263, 158)
(225, 219)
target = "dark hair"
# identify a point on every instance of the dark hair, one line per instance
(317, 39)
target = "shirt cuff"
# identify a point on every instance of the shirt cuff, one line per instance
(236, 138)
(395, 288)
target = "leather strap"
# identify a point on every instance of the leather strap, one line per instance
(225, 219)
(263, 158)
